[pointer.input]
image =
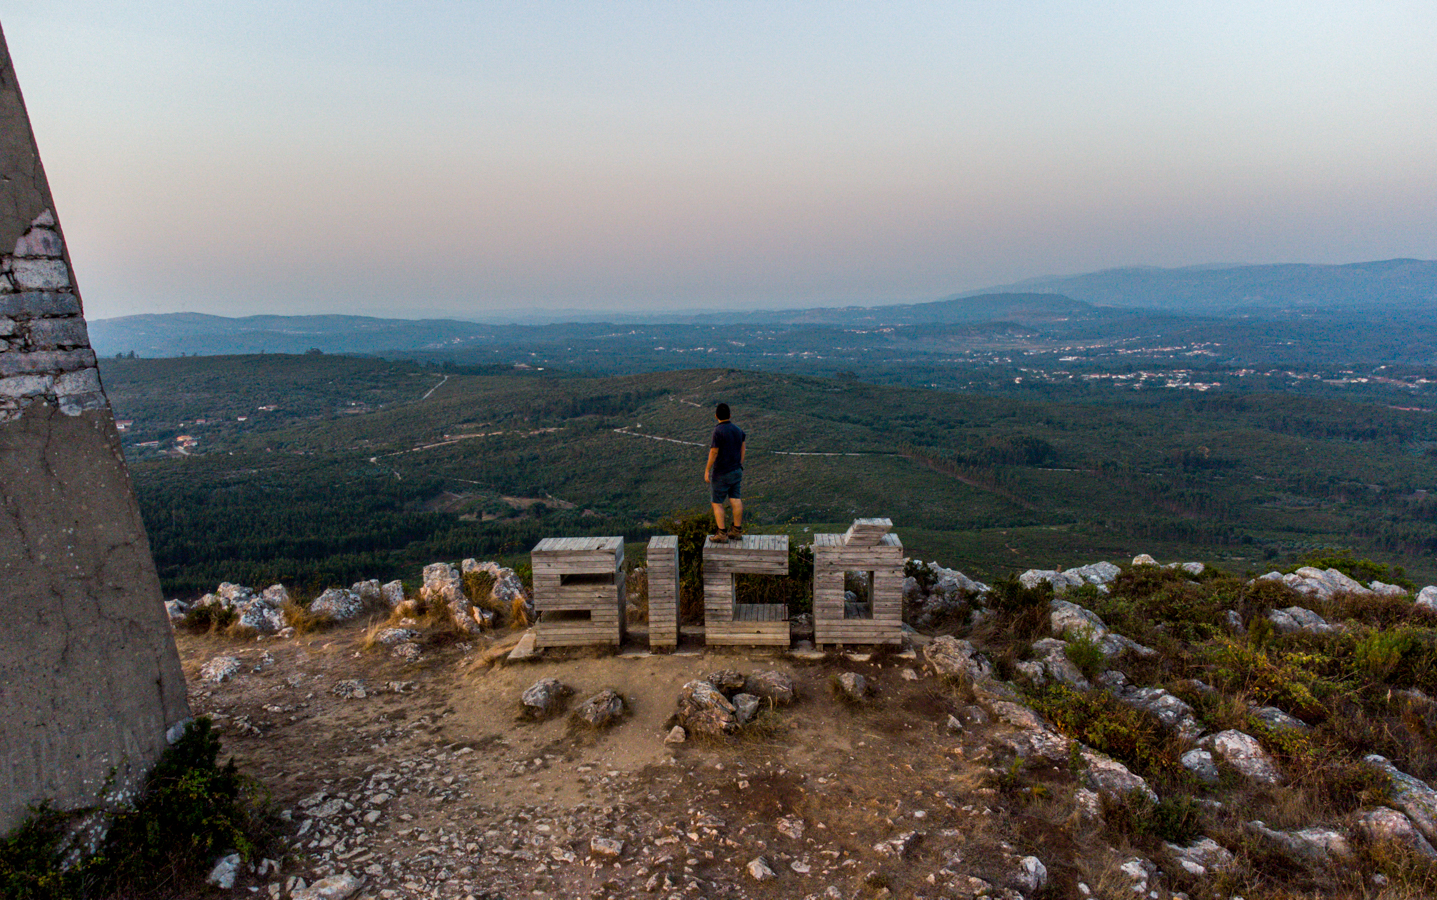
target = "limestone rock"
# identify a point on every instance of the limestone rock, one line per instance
(952, 657)
(1427, 597)
(1033, 670)
(1295, 618)
(526, 648)
(1201, 763)
(1070, 620)
(391, 636)
(332, 887)
(853, 686)
(898, 847)
(745, 707)
(1052, 654)
(1306, 846)
(676, 735)
(176, 609)
(337, 604)
(601, 710)
(259, 616)
(606, 848)
(703, 710)
(760, 870)
(1202, 857)
(1277, 720)
(1162, 705)
(1100, 574)
(1383, 825)
(444, 586)
(544, 697)
(1031, 876)
(776, 687)
(508, 590)
(392, 593)
(1087, 805)
(350, 689)
(1411, 795)
(950, 594)
(1060, 581)
(219, 669)
(1143, 559)
(1383, 589)
(728, 681)
(1111, 778)
(1139, 873)
(367, 591)
(224, 872)
(1245, 754)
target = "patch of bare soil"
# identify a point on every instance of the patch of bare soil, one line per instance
(432, 785)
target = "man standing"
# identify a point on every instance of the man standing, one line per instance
(724, 473)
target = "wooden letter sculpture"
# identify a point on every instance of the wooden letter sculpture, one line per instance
(579, 591)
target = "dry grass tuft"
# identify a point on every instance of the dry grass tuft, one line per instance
(302, 620)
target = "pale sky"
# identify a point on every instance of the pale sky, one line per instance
(426, 158)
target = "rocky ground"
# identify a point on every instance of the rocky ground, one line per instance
(944, 770)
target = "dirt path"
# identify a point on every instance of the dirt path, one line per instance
(430, 786)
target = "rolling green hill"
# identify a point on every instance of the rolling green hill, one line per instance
(441, 464)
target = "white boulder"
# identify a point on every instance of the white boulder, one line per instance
(1411, 795)
(337, 605)
(1245, 754)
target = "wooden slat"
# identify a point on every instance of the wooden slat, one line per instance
(760, 612)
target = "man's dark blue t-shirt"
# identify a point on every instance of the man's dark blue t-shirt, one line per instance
(728, 438)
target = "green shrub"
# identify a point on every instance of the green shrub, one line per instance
(1008, 595)
(1282, 679)
(1381, 652)
(1363, 570)
(190, 810)
(210, 618)
(922, 573)
(1177, 817)
(1098, 719)
(31, 859)
(1086, 654)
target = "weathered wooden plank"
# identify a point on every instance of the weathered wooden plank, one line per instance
(760, 612)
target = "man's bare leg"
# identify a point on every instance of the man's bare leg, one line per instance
(737, 512)
(718, 515)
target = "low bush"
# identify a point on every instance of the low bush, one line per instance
(1270, 677)
(1363, 570)
(190, 810)
(1087, 655)
(1176, 818)
(211, 618)
(1100, 720)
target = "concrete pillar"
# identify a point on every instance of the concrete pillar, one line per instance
(89, 677)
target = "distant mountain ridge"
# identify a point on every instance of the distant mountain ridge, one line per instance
(1396, 287)
(1406, 284)
(171, 334)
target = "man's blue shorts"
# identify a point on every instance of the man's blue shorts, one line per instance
(727, 485)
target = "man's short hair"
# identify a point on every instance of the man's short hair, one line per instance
(721, 411)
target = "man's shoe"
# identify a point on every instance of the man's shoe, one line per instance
(735, 533)
(719, 537)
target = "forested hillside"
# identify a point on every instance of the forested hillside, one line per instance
(372, 468)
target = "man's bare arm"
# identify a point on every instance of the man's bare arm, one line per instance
(709, 469)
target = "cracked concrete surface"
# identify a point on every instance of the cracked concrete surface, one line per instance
(89, 676)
